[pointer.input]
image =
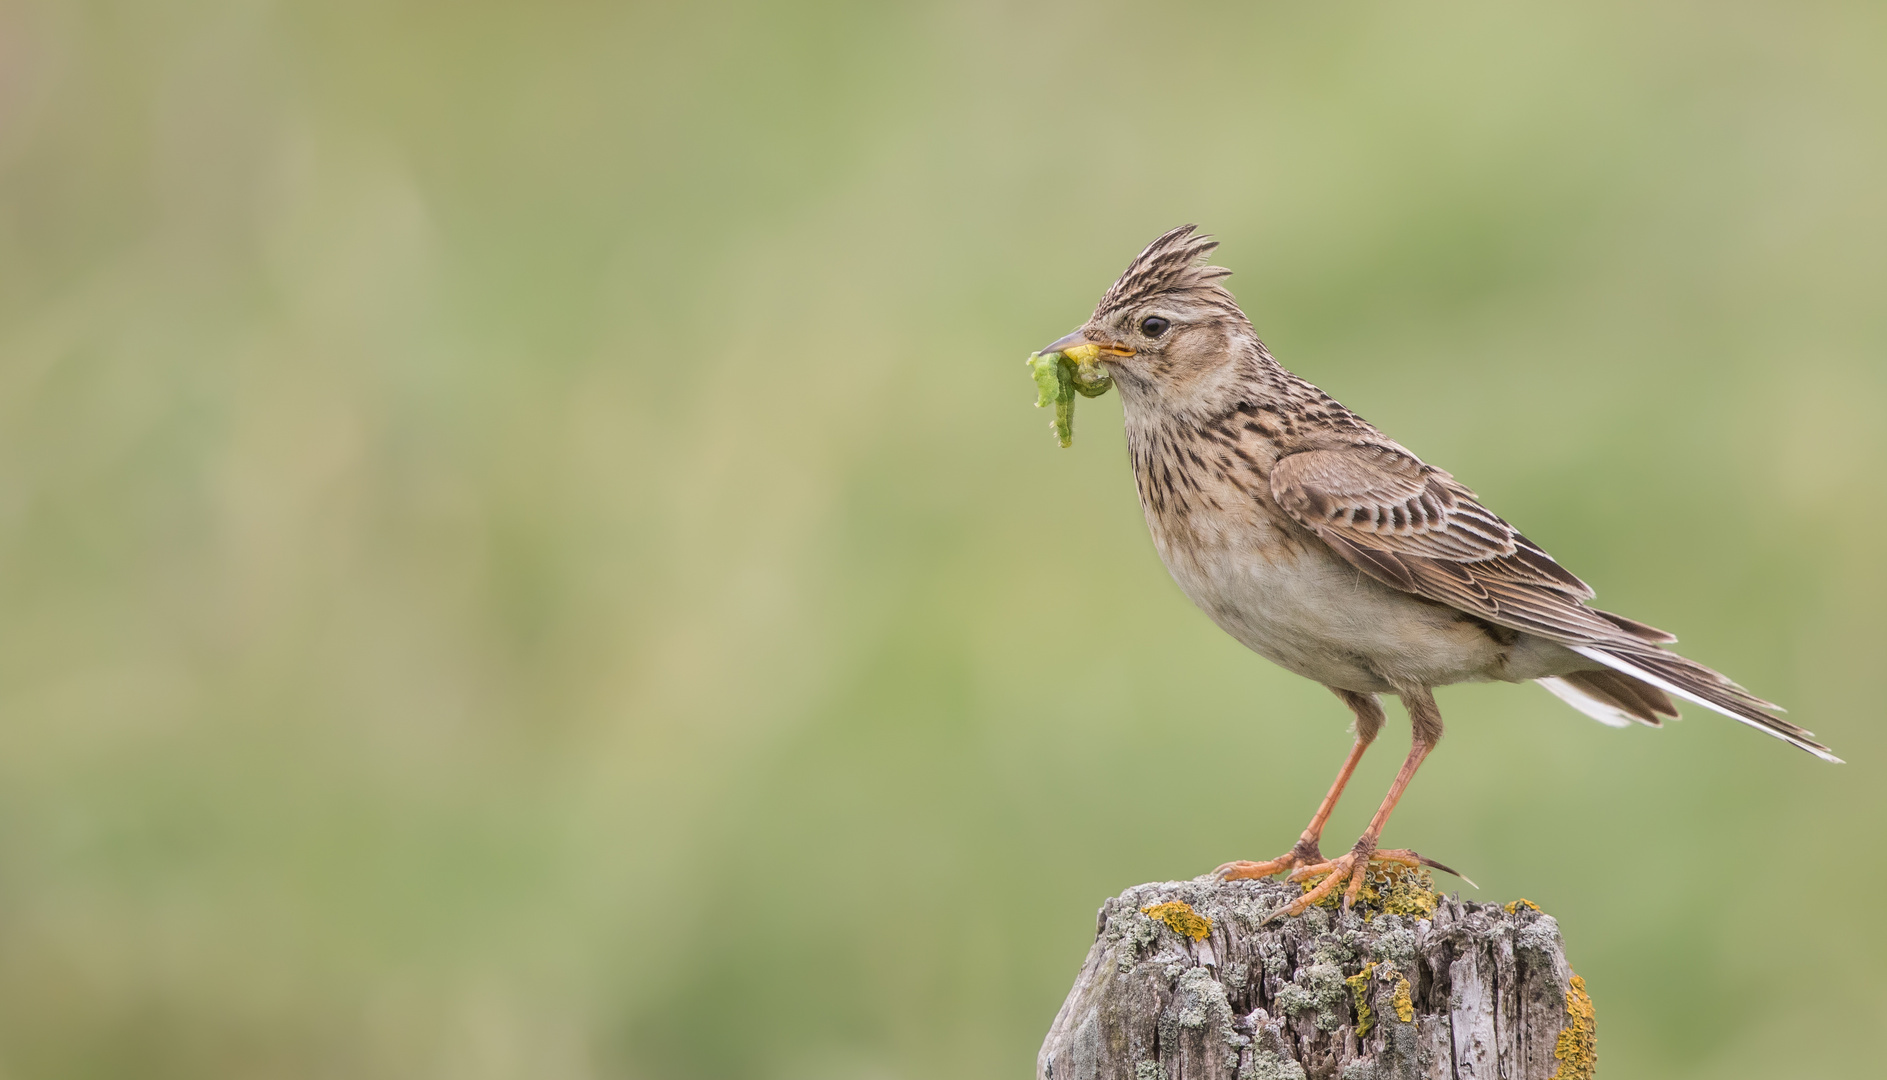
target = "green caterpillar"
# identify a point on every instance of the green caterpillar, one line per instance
(1058, 378)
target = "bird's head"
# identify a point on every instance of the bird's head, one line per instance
(1167, 331)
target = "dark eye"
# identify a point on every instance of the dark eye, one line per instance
(1153, 326)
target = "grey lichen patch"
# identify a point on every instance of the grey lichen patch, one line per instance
(1148, 1070)
(1271, 955)
(1129, 935)
(1540, 937)
(1199, 1021)
(1202, 1003)
(1267, 1065)
(1320, 985)
(1235, 978)
(1337, 948)
(1317, 920)
(1396, 946)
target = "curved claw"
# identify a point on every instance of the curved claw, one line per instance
(1241, 869)
(1433, 865)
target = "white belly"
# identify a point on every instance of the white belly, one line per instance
(1303, 608)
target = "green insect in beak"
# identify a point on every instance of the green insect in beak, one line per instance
(1059, 376)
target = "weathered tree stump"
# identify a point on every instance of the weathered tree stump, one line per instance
(1469, 992)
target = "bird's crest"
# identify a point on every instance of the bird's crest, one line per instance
(1173, 263)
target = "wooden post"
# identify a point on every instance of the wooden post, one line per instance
(1197, 989)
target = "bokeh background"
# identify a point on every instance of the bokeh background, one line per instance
(525, 550)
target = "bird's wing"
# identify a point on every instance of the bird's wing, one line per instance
(1412, 526)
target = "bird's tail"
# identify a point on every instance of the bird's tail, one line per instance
(1612, 698)
(1691, 681)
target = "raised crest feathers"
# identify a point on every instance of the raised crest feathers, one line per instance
(1172, 263)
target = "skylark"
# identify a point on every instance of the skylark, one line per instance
(1331, 550)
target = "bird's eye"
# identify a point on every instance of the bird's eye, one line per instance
(1153, 326)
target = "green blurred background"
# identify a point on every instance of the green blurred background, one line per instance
(526, 551)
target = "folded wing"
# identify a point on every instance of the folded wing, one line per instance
(1412, 526)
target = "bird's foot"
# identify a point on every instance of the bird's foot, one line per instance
(1304, 854)
(1351, 868)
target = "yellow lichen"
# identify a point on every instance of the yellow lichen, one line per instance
(1400, 1000)
(1516, 905)
(1411, 891)
(1359, 989)
(1388, 889)
(1404, 1006)
(1179, 915)
(1577, 1048)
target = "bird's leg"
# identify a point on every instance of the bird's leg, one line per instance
(1353, 867)
(1369, 721)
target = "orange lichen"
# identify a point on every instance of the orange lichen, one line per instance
(1180, 916)
(1577, 1048)
(1516, 905)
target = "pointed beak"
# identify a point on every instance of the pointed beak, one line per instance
(1077, 347)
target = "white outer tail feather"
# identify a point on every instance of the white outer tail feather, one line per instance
(1626, 666)
(1603, 711)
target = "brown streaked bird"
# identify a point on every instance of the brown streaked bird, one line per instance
(1331, 550)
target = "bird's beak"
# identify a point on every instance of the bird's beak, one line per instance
(1078, 348)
